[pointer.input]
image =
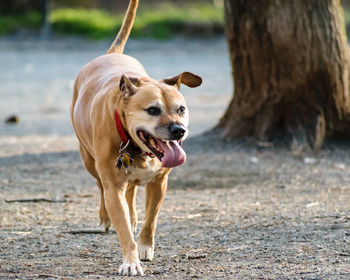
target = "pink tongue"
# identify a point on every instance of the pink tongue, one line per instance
(174, 155)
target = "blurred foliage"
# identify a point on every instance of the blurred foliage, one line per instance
(161, 23)
(347, 18)
(347, 15)
(154, 19)
(30, 20)
(91, 23)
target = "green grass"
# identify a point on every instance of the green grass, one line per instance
(30, 20)
(159, 23)
(91, 23)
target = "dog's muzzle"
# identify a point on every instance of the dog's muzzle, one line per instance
(177, 131)
(166, 143)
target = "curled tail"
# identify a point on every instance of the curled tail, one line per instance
(123, 35)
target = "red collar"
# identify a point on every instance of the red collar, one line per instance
(120, 128)
(123, 134)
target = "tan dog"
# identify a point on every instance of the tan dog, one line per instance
(122, 116)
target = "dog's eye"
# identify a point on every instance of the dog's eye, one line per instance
(153, 111)
(181, 110)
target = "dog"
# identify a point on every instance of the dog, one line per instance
(130, 129)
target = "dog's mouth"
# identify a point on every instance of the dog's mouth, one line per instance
(168, 152)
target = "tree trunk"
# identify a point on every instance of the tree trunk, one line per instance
(290, 62)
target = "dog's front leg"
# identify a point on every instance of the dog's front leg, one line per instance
(118, 211)
(155, 192)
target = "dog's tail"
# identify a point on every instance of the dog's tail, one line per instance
(119, 42)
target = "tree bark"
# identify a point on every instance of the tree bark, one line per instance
(290, 62)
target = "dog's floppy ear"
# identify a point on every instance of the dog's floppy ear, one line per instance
(186, 78)
(128, 85)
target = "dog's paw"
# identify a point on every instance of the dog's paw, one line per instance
(131, 269)
(106, 224)
(146, 252)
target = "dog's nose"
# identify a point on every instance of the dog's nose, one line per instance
(177, 131)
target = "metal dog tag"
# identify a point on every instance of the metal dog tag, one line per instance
(125, 160)
(119, 162)
(127, 153)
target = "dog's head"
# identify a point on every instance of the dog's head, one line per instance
(156, 115)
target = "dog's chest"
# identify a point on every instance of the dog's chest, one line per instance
(141, 175)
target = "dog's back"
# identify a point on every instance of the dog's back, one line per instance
(104, 72)
(93, 83)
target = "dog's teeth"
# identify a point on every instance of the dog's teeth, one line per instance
(151, 141)
(142, 136)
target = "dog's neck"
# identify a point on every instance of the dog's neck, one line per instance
(115, 103)
(120, 128)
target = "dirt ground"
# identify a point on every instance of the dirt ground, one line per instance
(235, 210)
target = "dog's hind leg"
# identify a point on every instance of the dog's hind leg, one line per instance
(155, 192)
(131, 199)
(89, 163)
(104, 218)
